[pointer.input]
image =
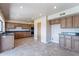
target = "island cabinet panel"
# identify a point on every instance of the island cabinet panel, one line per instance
(69, 22)
(63, 22)
(19, 35)
(76, 21)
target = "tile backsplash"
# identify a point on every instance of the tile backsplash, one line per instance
(70, 30)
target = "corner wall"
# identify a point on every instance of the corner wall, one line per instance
(45, 29)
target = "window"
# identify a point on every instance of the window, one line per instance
(1, 26)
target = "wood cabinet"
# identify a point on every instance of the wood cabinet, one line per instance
(51, 22)
(65, 41)
(55, 21)
(76, 21)
(68, 42)
(69, 22)
(75, 43)
(19, 35)
(9, 25)
(63, 22)
(66, 22)
(7, 41)
(61, 41)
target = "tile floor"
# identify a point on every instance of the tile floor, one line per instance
(30, 47)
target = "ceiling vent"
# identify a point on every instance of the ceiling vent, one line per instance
(62, 14)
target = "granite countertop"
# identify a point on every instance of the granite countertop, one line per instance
(11, 32)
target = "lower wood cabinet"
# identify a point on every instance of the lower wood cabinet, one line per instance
(61, 41)
(75, 43)
(69, 42)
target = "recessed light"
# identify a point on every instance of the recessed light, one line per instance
(40, 14)
(55, 7)
(21, 7)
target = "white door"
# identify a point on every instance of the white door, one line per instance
(55, 30)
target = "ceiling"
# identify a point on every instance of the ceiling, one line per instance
(28, 11)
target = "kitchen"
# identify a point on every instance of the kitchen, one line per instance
(43, 31)
(10, 31)
(14, 31)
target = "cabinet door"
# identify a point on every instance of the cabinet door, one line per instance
(68, 42)
(57, 21)
(76, 21)
(8, 43)
(51, 22)
(69, 22)
(63, 23)
(75, 44)
(61, 42)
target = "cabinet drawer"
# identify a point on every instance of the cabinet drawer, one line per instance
(75, 37)
(68, 43)
(68, 37)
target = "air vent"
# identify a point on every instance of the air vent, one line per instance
(62, 14)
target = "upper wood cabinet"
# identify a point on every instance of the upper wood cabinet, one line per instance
(66, 22)
(51, 22)
(76, 21)
(69, 22)
(14, 25)
(63, 22)
(55, 21)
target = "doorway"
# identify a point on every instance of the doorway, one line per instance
(39, 31)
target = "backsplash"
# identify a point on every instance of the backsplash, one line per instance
(70, 30)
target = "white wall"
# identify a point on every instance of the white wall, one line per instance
(45, 30)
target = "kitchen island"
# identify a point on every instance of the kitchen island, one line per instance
(22, 33)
